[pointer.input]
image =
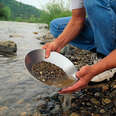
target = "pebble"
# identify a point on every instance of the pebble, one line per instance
(94, 101)
(102, 111)
(35, 32)
(105, 88)
(2, 108)
(23, 114)
(20, 101)
(75, 114)
(106, 101)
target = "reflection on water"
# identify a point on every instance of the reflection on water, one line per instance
(18, 91)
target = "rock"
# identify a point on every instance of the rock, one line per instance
(56, 110)
(94, 101)
(20, 101)
(49, 36)
(73, 105)
(85, 113)
(23, 114)
(106, 101)
(2, 108)
(42, 106)
(35, 32)
(96, 114)
(65, 50)
(114, 101)
(113, 93)
(37, 114)
(113, 85)
(7, 47)
(105, 88)
(42, 42)
(45, 26)
(75, 114)
(98, 94)
(102, 111)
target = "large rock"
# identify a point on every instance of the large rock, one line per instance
(47, 37)
(7, 47)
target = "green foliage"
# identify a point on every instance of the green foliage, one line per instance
(16, 11)
(5, 12)
(52, 11)
(21, 10)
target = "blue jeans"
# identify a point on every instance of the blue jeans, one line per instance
(99, 31)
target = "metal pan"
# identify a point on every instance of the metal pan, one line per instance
(38, 55)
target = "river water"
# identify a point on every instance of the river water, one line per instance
(18, 90)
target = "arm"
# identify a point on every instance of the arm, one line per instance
(86, 73)
(70, 32)
(108, 62)
(73, 28)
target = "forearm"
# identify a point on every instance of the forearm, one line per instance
(73, 28)
(108, 62)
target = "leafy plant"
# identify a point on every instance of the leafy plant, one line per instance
(52, 11)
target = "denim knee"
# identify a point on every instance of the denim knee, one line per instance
(57, 25)
(92, 6)
(53, 28)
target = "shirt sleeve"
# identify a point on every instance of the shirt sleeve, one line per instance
(75, 4)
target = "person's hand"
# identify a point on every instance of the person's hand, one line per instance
(52, 46)
(84, 75)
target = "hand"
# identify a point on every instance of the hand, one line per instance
(52, 46)
(85, 75)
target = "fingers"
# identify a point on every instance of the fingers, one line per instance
(58, 50)
(77, 86)
(47, 50)
(83, 71)
(47, 53)
(50, 47)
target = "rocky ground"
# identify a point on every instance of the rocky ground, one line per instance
(8, 48)
(98, 99)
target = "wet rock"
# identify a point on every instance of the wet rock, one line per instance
(94, 101)
(73, 105)
(20, 101)
(113, 93)
(45, 26)
(23, 114)
(35, 32)
(114, 101)
(2, 108)
(98, 94)
(102, 111)
(56, 110)
(45, 38)
(7, 47)
(75, 114)
(42, 106)
(37, 114)
(54, 96)
(106, 101)
(105, 88)
(113, 85)
(85, 113)
(95, 114)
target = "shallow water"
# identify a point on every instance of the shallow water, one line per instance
(18, 90)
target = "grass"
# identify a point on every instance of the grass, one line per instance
(52, 11)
